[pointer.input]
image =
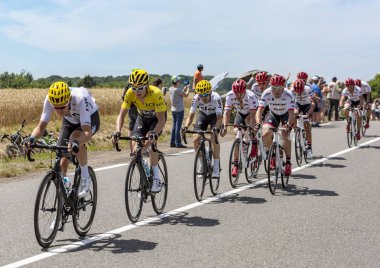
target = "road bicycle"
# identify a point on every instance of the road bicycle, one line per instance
(363, 114)
(139, 179)
(203, 164)
(353, 126)
(277, 151)
(262, 152)
(243, 145)
(55, 203)
(300, 143)
(15, 148)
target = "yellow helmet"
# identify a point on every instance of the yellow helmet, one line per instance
(139, 78)
(59, 94)
(203, 87)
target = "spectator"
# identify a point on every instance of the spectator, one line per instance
(324, 102)
(316, 115)
(198, 75)
(334, 96)
(376, 109)
(178, 110)
(157, 82)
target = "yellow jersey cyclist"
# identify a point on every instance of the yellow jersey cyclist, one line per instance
(150, 121)
(210, 114)
(80, 122)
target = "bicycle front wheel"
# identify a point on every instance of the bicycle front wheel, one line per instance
(349, 135)
(159, 199)
(85, 207)
(273, 171)
(214, 182)
(134, 190)
(253, 167)
(47, 213)
(304, 148)
(234, 164)
(298, 146)
(355, 131)
(200, 175)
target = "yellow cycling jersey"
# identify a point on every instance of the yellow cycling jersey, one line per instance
(153, 102)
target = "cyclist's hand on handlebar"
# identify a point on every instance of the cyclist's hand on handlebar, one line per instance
(223, 131)
(73, 146)
(216, 130)
(184, 129)
(256, 127)
(115, 137)
(28, 142)
(152, 136)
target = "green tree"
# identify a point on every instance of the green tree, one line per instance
(375, 85)
(87, 82)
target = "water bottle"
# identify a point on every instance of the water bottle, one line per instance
(146, 168)
(67, 185)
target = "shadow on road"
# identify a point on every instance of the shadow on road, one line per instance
(236, 198)
(369, 147)
(337, 158)
(303, 176)
(113, 244)
(183, 218)
(293, 190)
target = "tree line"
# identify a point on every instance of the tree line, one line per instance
(25, 80)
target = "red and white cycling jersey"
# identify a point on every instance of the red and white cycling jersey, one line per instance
(278, 106)
(365, 88)
(81, 107)
(249, 101)
(354, 96)
(212, 107)
(256, 90)
(305, 97)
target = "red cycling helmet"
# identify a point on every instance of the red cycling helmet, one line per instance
(302, 75)
(277, 80)
(358, 82)
(350, 82)
(239, 86)
(262, 77)
(299, 86)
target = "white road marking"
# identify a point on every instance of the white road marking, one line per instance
(146, 221)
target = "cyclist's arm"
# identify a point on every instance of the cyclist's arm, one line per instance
(189, 119)
(120, 119)
(39, 130)
(361, 100)
(259, 114)
(227, 116)
(219, 120)
(161, 122)
(86, 136)
(252, 117)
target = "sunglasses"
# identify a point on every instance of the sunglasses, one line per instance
(60, 107)
(262, 83)
(139, 88)
(277, 88)
(204, 95)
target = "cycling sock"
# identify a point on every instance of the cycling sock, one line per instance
(84, 171)
(216, 163)
(288, 159)
(156, 171)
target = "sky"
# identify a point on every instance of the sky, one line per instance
(110, 37)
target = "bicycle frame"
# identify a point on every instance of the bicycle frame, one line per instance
(278, 141)
(259, 137)
(243, 136)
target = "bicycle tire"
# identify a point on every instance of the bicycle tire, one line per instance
(234, 180)
(199, 174)
(135, 190)
(305, 147)
(82, 205)
(272, 180)
(298, 147)
(159, 199)
(355, 130)
(253, 168)
(42, 195)
(349, 134)
(214, 182)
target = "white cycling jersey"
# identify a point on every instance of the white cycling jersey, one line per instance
(304, 98)
(249, 102)
(278, 106)
(255, 89)
(81, 107)
(365, 88)
(354, 96)
(212, 107)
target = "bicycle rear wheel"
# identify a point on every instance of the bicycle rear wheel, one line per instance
(86, 206)
(304, 148)
(349, 134)
(134, 190)
(234, 179)
(199, 173)
(253, 167)
(159, 199)
(272, 173)
(47, 213)
(355, 131)
(298, 146)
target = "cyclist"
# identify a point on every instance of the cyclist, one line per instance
(351, 98)
(262, 83)
(210, 114)
(245, 103)
(281, 103)
(80, 122)
(305, 105)
(150, 121)
(304, 76)
(366, 93)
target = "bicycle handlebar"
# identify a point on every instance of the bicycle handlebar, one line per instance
(43, 146)
(199, 132)
(138, 139)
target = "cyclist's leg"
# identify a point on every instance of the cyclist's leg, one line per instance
(212, 119)
(201, 123)
(132, 114)
(239, 120)
(66, 129)
(287, 145)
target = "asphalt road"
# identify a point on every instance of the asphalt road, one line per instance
(328, 217)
